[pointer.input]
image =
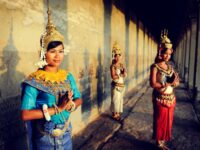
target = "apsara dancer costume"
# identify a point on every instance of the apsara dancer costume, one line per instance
(42, 88)
(164, 100)
(117, 84)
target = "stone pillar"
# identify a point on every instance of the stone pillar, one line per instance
(174, 56)
(193, 41)
(178, 55)
(197, 65)
(184, 57)
(183, 41)
(187, 54)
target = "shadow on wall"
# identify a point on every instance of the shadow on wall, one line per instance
(134, 67)
(107, 47)
(127, 52)
(11, 127)
(143, 55)
(102, 72)
(99, 76)
(137, 48)
(85, 82)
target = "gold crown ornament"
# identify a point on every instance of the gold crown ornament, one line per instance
(50, 35)
(165, 41)
(116, 49)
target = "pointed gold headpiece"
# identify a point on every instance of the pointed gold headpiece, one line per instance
(50, 35)
(116, 49)
(165, 41)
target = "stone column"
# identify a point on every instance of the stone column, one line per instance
(193, 41)
(197, 59)
(183, 41)
(176, 52)
(179, 49)
(175, 57)
(179, 52)
(187, 54)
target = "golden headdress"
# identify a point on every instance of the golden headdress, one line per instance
(50, 35)
(165, 41)
(116, 49)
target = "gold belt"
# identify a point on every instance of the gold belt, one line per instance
(118, 84)
(166, 96)
(57, 131)
(166, 99)
(167, 102)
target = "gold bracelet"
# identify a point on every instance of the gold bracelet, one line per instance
(73, 106)
(56, 109)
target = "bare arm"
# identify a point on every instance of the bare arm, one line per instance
(35, 114)
(78, 102)
(38, 113)
(114, 76)
(153, 81)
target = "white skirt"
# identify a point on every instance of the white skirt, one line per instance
(117, 94)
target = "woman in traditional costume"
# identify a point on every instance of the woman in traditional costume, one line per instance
(118, 73)
(49, 95)
(163, 79)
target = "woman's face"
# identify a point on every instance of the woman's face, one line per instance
(118, 57)
(55, 56)
(167, 55)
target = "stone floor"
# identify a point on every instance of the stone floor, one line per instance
(134, 132)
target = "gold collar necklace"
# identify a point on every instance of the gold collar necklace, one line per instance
(51, 77)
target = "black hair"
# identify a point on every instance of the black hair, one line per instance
(164, 50)
(117, 54)
(54, 44)
(161, 52)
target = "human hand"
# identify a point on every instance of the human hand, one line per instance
(70, 95)
(67, 105)
(66, 101)
(71, 106)
(62, 106)
(123, 71)
(176, 80)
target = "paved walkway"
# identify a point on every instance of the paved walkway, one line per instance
(134, 132)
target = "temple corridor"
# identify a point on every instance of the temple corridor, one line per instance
(90, 28)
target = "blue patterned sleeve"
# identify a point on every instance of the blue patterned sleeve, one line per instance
(73, 86)
(29, 96)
